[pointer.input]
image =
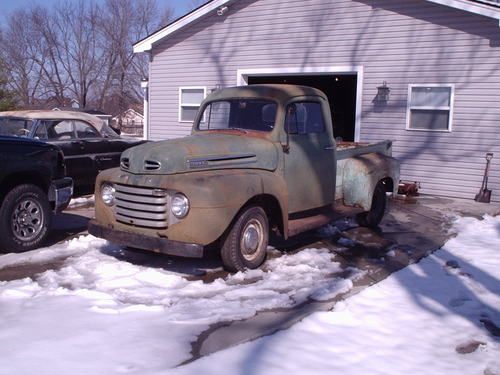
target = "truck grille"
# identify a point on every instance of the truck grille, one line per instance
(140, 206)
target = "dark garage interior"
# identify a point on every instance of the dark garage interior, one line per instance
(340, 90)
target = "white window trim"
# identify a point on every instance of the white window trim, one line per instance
(437, 108)
(192, 105)
(243, 74)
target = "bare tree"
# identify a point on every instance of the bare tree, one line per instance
(80, 50)
(79, 56)
(7, 99)
(23, 58)
(126, 22)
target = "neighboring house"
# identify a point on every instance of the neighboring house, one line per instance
(425, 73)
(129, 122)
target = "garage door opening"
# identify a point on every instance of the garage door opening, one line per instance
(340, 90)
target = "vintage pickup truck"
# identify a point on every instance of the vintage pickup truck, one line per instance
(260, 158)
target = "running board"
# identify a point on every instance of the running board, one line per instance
(327, 215)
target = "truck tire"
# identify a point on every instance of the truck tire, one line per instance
(25, 218)
(373, 217)
(245, 246)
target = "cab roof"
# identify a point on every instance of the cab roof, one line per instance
(279, 92)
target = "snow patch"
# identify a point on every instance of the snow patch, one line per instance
(427, 318)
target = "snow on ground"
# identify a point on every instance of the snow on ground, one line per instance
(97, 314)
(424, 319)
(101, 315)
(85, 201)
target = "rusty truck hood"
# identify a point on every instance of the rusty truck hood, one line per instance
(201, 152)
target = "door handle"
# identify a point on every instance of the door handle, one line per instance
(329, 147)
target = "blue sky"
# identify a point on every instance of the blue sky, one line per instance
(7, 6)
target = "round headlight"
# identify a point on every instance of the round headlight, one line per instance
(180, 206)
(108, 194)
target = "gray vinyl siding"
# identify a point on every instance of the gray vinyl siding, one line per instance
(402, 42)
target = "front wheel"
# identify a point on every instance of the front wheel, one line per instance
(245, 245)
(24, 218)
(373, 217)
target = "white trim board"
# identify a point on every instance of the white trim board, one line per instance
(243, 74)
(146, 44)
(469, 6)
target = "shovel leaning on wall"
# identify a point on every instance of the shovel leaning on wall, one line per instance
(484, 194)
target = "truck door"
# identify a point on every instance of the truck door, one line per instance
(310, 161)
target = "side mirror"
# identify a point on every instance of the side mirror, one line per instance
(286, 146)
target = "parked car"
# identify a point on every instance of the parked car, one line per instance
(260, 158)
(32, 185)
(88, 144)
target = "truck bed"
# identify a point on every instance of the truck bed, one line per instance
(347, 150)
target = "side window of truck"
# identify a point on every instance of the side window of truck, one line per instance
(304, 118)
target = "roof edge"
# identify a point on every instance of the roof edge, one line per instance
(482, 9)
(146, 44)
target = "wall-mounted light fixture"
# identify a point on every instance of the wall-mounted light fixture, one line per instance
(222, 10)
(383, 92)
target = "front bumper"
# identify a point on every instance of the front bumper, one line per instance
(144, 242)
(60, 192)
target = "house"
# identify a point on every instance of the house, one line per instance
(129, 122)
(424, 73)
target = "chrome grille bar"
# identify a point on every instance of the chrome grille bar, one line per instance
(141, 206)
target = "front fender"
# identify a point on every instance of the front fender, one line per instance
(215, 199)
(362, 173)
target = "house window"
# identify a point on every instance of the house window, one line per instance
(430, 107)
(190, 99)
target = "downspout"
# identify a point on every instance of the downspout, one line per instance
(145, 123)
(145, 91)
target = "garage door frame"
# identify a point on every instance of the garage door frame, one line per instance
(243, 74)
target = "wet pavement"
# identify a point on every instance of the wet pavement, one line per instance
(411, 229)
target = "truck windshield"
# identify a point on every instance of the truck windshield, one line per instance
(246, 114)
(15, 126)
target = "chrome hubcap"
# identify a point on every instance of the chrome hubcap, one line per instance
(252, 239)
(27, 220)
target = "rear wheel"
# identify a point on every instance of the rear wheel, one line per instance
(373, 217)
(24, 218)
(245, 245)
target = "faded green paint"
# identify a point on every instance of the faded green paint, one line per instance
(220, 171)
(361, 173)
(204, 152)
(212, 194)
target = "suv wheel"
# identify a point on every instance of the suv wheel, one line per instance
(24, 218)
(245, 246)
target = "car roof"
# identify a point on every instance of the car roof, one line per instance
(55, 115)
